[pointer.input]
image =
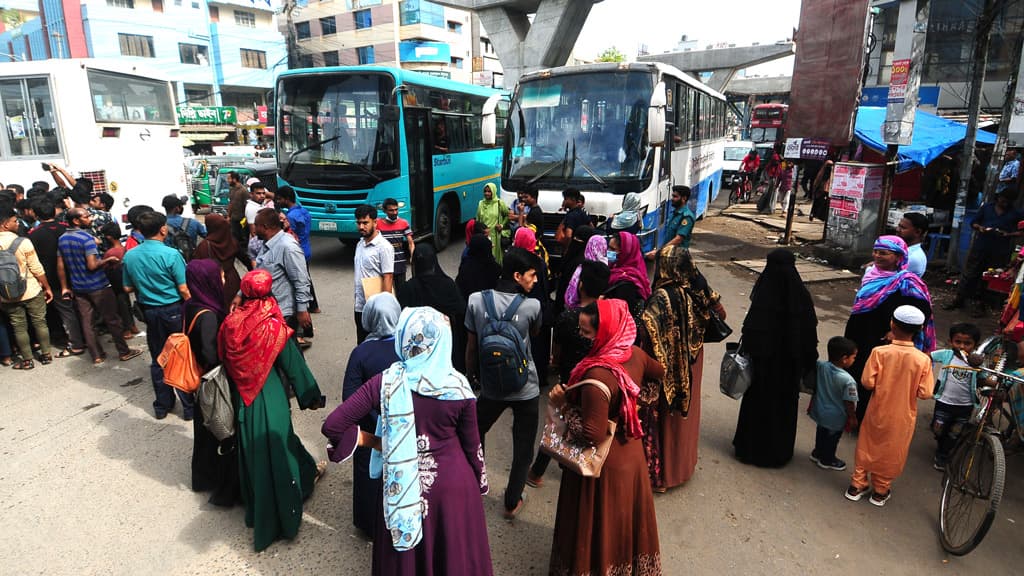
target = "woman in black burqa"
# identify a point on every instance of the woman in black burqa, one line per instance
(430, 286)
(780, 336)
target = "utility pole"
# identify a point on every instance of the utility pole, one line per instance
(982, 38)
(994, 164)
(291, 42)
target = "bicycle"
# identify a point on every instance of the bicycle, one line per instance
(974, 478)
(741, 191)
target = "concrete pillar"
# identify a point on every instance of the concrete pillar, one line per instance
(523, 47)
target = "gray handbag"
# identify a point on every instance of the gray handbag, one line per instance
(737, 371)
(214, 398)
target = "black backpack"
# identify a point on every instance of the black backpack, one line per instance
(504, 360)
(12, 282)
(179, 239)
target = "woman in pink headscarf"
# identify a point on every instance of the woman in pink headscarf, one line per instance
(628, 281)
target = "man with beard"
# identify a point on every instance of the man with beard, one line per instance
(374, 264)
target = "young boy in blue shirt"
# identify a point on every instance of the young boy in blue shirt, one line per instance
(834, 406)
(955, 390)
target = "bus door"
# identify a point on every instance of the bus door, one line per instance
(421, 178)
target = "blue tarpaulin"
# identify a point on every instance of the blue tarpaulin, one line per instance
(933, 135)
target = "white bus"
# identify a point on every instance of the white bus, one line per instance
(610, 129)
(100, 119)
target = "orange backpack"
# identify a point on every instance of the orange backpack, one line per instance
(180, 368)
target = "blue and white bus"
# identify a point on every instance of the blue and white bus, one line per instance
(358, 135)
(609, 129)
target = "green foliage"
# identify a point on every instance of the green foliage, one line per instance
(611, 54)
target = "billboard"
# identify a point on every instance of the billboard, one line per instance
(828, 69)
(432, 52)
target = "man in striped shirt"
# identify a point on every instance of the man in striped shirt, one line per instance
(396, 231)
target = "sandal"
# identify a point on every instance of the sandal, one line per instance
(131, 354)
(6, 361)
(321, 469)
(98, 361)
(45, 359)
(24, 365)
(69, 352)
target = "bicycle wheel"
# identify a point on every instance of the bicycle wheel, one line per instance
(971, 490)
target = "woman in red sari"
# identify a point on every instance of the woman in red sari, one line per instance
(607, 525)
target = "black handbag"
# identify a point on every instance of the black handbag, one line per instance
(716, 330)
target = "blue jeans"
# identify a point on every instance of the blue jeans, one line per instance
(825, 443)
(161, 322)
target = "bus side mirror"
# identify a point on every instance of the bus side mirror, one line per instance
(656, 116)
(489, 120)
(389, 113)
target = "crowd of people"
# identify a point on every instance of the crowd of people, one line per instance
(438, 360)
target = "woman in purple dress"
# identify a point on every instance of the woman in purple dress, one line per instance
(428, 450)
(373, 356)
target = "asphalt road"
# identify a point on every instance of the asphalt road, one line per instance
(91, 483)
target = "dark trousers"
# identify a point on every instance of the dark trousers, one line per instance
(825, 443)
(124, 310)
(105, 304)
(525, 415)
(5, 338)
(161, 322)
(360, 333)
(64, 309)
(978, 261)
(947, 423)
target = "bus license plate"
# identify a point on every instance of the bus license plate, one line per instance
(328, 226)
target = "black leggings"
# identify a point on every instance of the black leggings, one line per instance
(525, 416)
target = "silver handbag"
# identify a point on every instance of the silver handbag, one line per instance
(737, 371)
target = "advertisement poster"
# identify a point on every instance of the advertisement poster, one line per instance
(899, 80)
(848, 208)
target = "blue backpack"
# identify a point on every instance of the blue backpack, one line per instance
(504, 360)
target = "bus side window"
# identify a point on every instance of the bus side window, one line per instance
(441, 140)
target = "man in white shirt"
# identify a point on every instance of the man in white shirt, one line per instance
(374, 264)
(912, 228)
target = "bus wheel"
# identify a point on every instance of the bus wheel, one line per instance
(349, 243)
(443, 225)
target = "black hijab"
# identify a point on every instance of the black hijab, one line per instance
(479, 270)
(430, 286)
(781, 319)
(571, 258)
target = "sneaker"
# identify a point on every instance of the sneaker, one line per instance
(879, 499)
(855, 494)
(814, 458)
(836, 464)
(938, 465)
(534, 481)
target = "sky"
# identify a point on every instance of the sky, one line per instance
(660, 24)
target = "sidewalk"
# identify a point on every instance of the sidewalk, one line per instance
(803, 230)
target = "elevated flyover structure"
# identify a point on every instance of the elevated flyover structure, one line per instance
(722, 63)
(524, 46)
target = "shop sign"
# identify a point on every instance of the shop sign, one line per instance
(806, 149)
(217, 115)
(261, 115)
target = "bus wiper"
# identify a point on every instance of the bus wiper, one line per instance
(584, 164)
(361, 167)
(291, 157)
(562, 162)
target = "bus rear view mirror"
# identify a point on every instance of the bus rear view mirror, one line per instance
(389, 113)
(489, 122)
(656, 116)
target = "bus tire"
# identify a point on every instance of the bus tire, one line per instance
(444, 220)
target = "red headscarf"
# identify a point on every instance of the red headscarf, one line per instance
(470, 226)
(252, 336)
(525, 239)
(612, 348)
(630, 265)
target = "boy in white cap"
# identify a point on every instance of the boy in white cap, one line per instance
(899, 374)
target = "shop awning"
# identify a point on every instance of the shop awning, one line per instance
(933, 135)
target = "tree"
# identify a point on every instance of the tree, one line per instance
(611, 54)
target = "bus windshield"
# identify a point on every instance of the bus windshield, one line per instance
(585, 128)
(330, 125)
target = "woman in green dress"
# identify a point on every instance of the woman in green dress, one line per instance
(494, 214)
(276, 472)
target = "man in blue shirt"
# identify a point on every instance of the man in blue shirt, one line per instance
(1010, 173)
(301, 222)
(174, 207)
(995, 225)
(575, 215)
(283, 258)
(680, 221)
(79, 252)
(155, 272)
(912, 228)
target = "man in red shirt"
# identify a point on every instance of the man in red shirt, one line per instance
(397, 233)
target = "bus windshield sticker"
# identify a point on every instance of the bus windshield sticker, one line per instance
(543, 96)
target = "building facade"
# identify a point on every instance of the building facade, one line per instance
(216, 52)
(948, 56)
(411, 34)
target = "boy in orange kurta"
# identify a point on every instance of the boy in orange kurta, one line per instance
(899, 374)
